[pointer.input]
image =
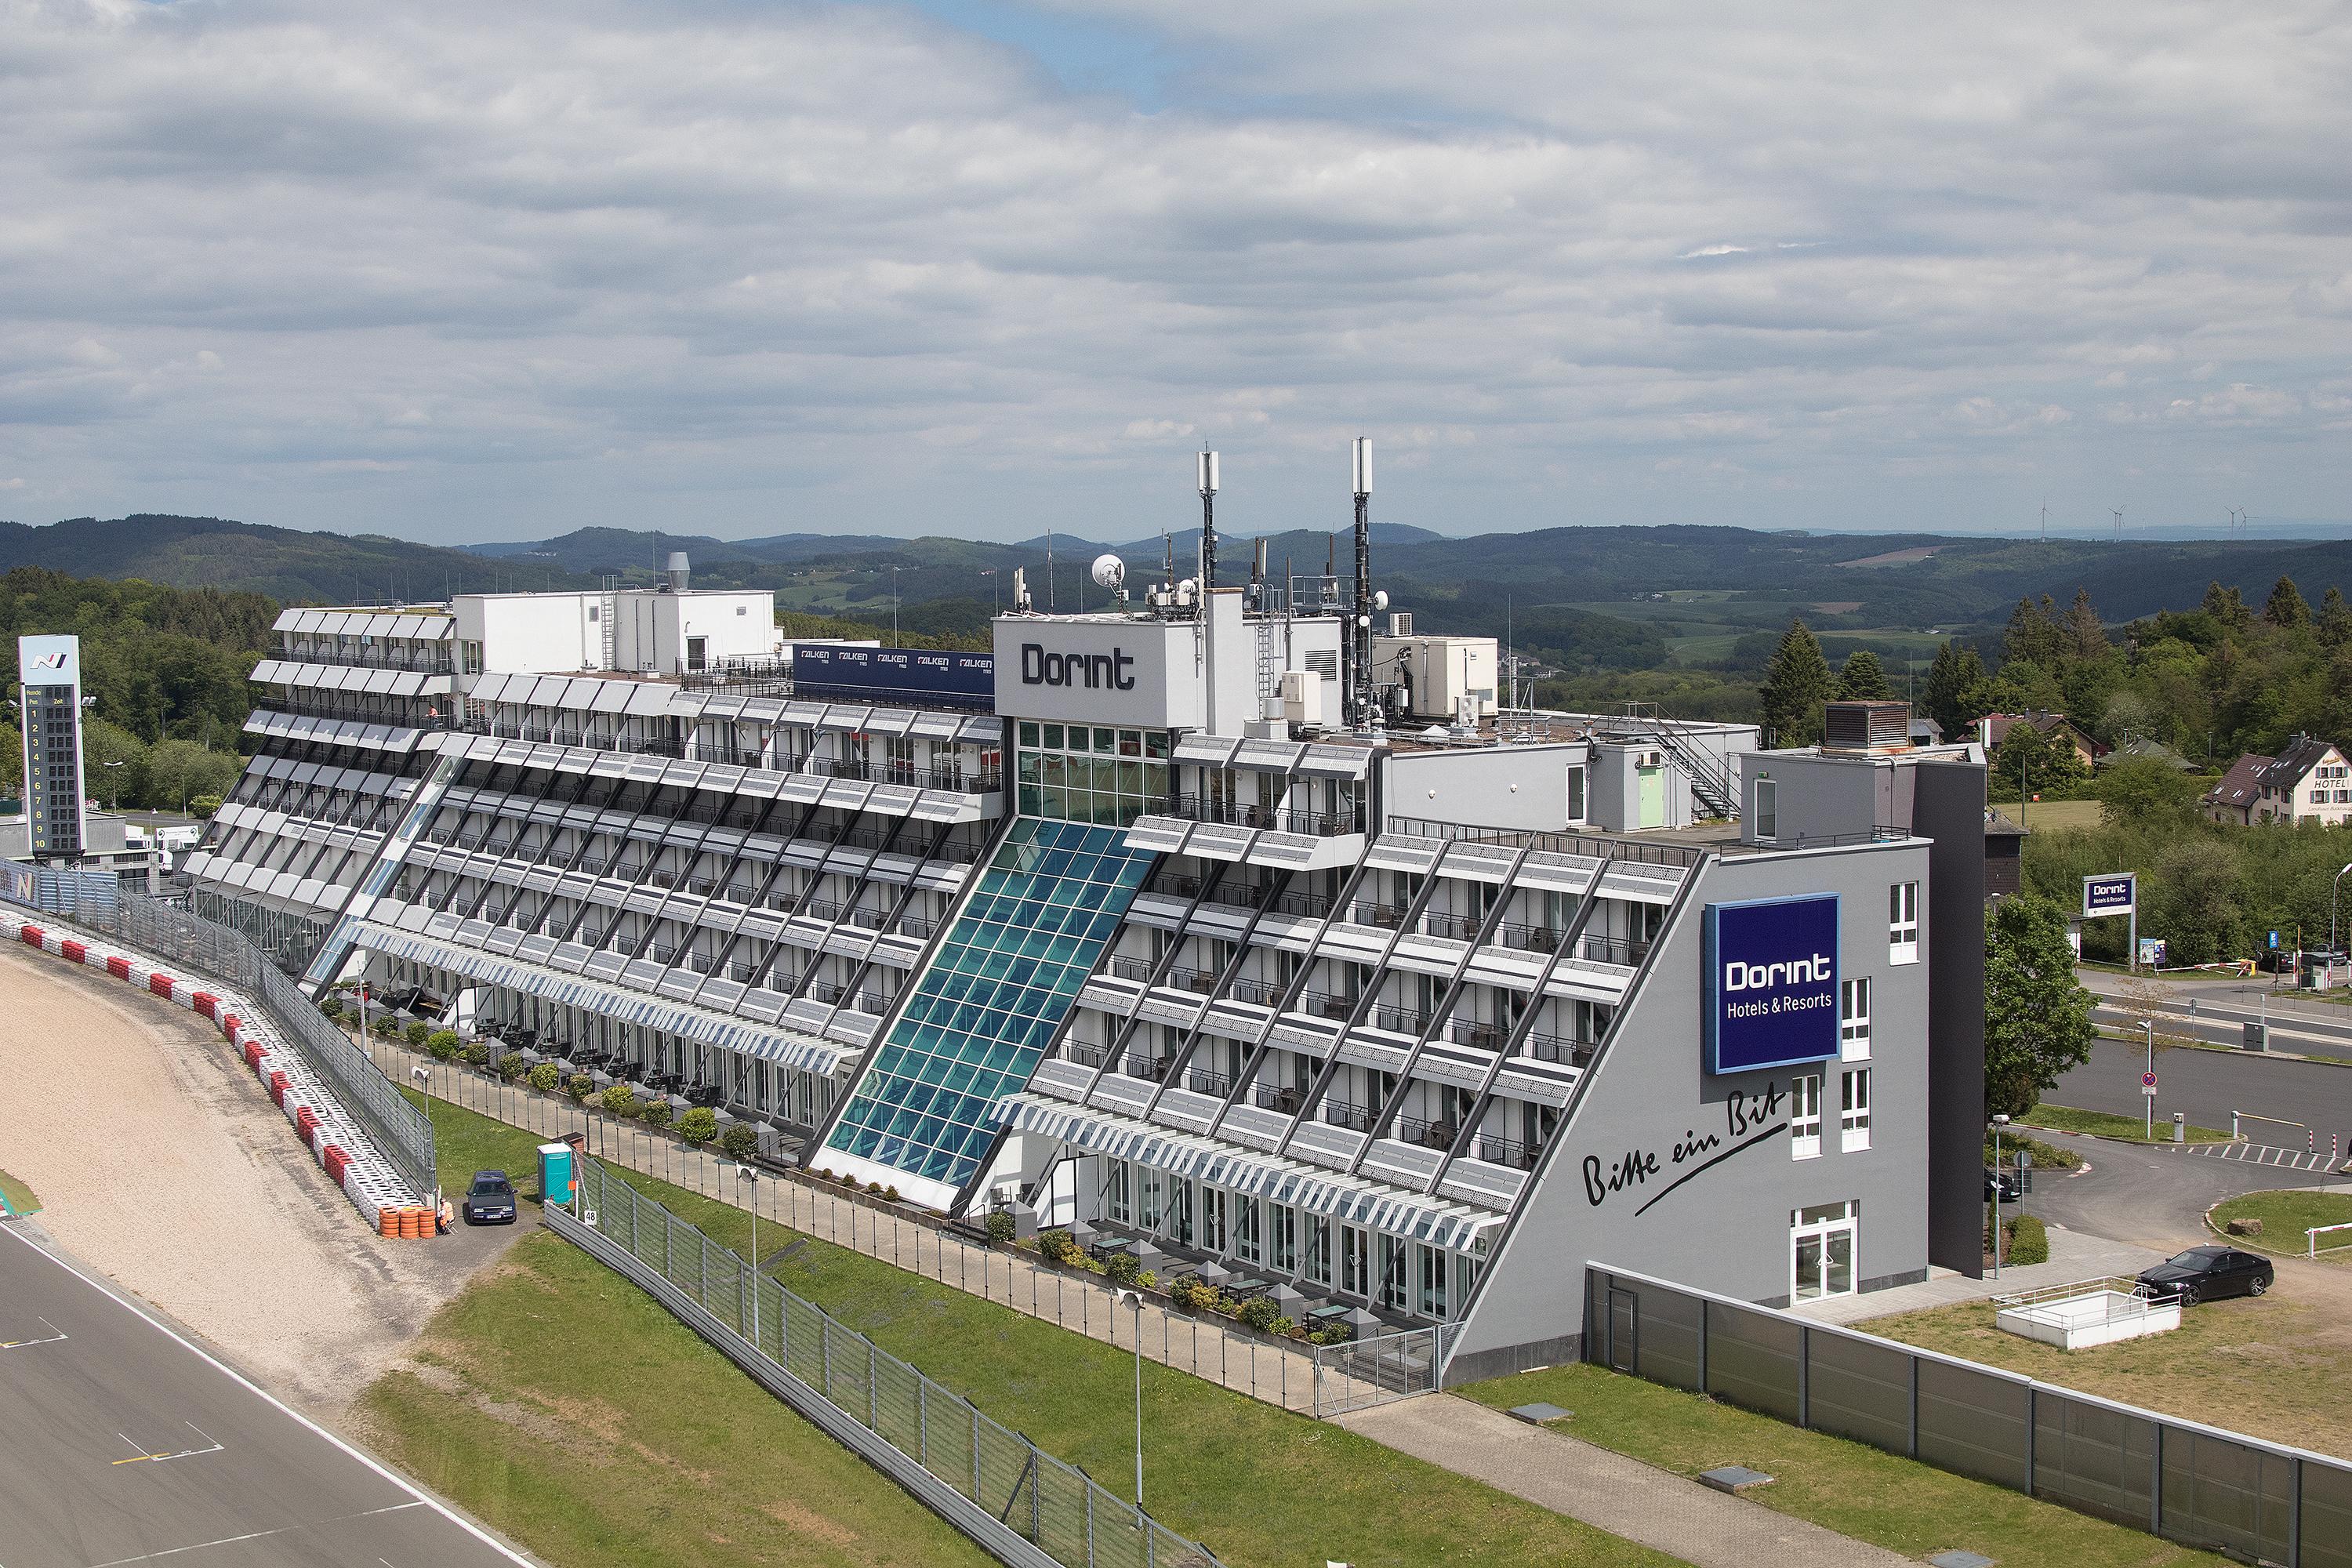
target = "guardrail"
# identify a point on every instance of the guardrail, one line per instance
(1019, 1503)
(181, 936)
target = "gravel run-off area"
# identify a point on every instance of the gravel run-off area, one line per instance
(161, 1162)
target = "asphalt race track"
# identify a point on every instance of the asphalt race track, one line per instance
(123, 1443)
(2310, 1101)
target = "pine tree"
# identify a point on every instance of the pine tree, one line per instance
(2225, 605)
(2031, 635)
(2083, 626)
(1955, 691)
(2285, 607)
(1863, 679)
(1797, 682)
(2334, 618)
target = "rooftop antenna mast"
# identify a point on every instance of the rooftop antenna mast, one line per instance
(1208, 521)
(1359, 625)
(1049, 569)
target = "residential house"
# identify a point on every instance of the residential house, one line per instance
(2309, 780)
(1993, 728)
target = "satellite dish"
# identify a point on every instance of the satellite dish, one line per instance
(1110, 571)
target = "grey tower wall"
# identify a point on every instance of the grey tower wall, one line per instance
(1948, 806)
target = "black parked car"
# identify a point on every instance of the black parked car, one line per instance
(2007, 1184)
(2208, 1274)
(490, 1200)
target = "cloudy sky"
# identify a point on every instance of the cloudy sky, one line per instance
(463, 271)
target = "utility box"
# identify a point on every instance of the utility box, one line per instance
(1431, 674)
(555, 1173)
(1302, 697)
(2258, 1037)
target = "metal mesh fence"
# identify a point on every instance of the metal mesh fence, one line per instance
(2177, 1478)
(1378, 1370)
(179, 936)
(1037, 1496)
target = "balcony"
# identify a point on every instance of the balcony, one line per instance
(1215, 1084)
(419, 661)
(872, 1003)
(1202, 982)
(1437, 1135)
(1140, 970)
(1510, 1151)
(1152, 1069)
(1302, 906)
(1561, 1049)
(1259, 992)
(1283, 1101)
(1484, 1036)
(1341, 1114)
(1273, 819)
(1386, 917)
(1322, 1005)
(1089, 1056)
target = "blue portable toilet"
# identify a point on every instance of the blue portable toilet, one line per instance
(555, 1173)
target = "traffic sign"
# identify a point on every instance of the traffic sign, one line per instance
(2147, 1080)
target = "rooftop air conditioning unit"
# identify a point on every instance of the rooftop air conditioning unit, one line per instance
(1400, 623)
(1302, 697)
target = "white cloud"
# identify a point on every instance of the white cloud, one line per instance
(455, 271)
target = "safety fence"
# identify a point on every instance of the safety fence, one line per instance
(2180, 1479)
(1022, 1505)
(1378, 1370)
(163, 929)
(1210, 1347)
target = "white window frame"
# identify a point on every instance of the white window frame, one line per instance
(1853, 1019)
(1805, 1117)
(1432, 1275)
(1210, 1222)
(1248, 1239)
(1902, 922)
(1853, 1109)
(1393, 1272)
(1116, 1201)
(1767, 809)
(1578, 801)
(1355, 1261)
(1821, 1223)
(1282, 1238)
(1318, 1248)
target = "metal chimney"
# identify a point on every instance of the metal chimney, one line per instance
(674, 575)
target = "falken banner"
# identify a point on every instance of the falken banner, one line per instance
(1771, 985)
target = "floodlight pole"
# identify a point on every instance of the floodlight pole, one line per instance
(1135, 1299)
(750, 1178)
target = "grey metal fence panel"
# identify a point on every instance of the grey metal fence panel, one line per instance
(2324, 1536)
(1972, 1421)
(1859, 1389)
(2226, 1495)
(1752, 1359)
(1048, 1504)
(2188, 1482)
(202, 947)
(2095, 1458)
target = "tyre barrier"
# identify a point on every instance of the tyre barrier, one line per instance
(343, 1150)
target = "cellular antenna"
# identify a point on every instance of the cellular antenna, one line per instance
(1360, 628)
(1208, 520)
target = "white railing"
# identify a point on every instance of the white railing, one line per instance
(2109, 1299)
(2311, 1248)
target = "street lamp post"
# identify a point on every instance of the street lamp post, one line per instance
(1999, 1122)
(750, 1178)
(2333, 889)
(114, 782)
(1135, 1298)
(2147, 1032)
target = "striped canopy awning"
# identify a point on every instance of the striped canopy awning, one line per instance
(1372, 1205)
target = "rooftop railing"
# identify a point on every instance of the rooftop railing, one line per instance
(1590, 846)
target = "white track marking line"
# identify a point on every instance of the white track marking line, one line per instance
(54, 1334)
(435, 1504)
(258, 1535)
(182, 1454)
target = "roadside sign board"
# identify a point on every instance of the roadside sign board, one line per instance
(2274, 941)
(2117, 894)
(2147, 1080)
(2152, 951)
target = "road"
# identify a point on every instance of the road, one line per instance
(125, 1444)
(2209, 1085)
(2217, 1011)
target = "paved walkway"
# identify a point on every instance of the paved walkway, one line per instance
(1012, 1277)
(1625, 1496)
(2074, 1255)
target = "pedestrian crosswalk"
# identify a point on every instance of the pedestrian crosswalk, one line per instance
(2263, 1154)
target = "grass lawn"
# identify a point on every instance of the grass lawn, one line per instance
(556, 1401)
(1259, 1487)
(1850, 1488)
(17, 1196)
(2285, 1215)
(464, 1143)
(2130, 1129)
(2055, 815)
(2275, 1367)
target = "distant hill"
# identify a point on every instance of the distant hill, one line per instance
(283, 562)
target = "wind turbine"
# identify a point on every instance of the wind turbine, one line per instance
(2119, 523)
(2045, 522)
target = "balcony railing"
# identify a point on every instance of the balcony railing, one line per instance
(1561, 1049)
(1438, 1135)
(1645, 851)
(1149, 1068)
(657, 747)
(1508, 1152)
(1203, 982)
(420, 662)
(1216, 1085)
(1386, 917)
(1259, 992)
(1283, 1100)
(1089, 1057)
(1484, 1036)
(1130, 968)
(1341, 1114)
(1322, 1005)
(1274, 819)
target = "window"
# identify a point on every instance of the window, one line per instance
(1396, 1278)
(695, 652)
(1903, 923)
(1430, 1300)
(1318, 1249)
(1805, 1117)
(1212, 1219)
(1282, 1238)
(1576, 793)
(1767, 809)
(1245, 1232)
(1821, 1245)
(1355, 1261)
(1151, 1199)
(1115, 1201)
(1854, 1108)
(1853, 1019)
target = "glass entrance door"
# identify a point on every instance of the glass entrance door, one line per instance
(1822, 1251)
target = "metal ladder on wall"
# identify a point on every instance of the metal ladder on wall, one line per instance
(605, 602)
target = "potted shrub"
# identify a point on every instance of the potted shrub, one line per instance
(580, 1086)
(478, 1052)
(699, 1125)
(620, 1101)
(1259, 1313)
(333, 1006)
(1121, 1268)
(656, 1115)
(418, 1032)
(545, 1076)
(1000, 1227)
(1058, 1245)
(739, 1141)
(510, 1066)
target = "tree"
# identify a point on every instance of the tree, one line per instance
(1863, 679)
(1797, 682)
(2334, 618)
(2285, 607)
(113, 762)
(2226, 606)
(2033, 635)
(2038, 764)
(2083, 623)
(2147, 792)
(2037, 1016)
(1955, 690)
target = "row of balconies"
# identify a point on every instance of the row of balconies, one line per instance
(950, 776)
(421, 659)
(1272, 819)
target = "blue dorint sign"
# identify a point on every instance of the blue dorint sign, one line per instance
(1771, 985)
